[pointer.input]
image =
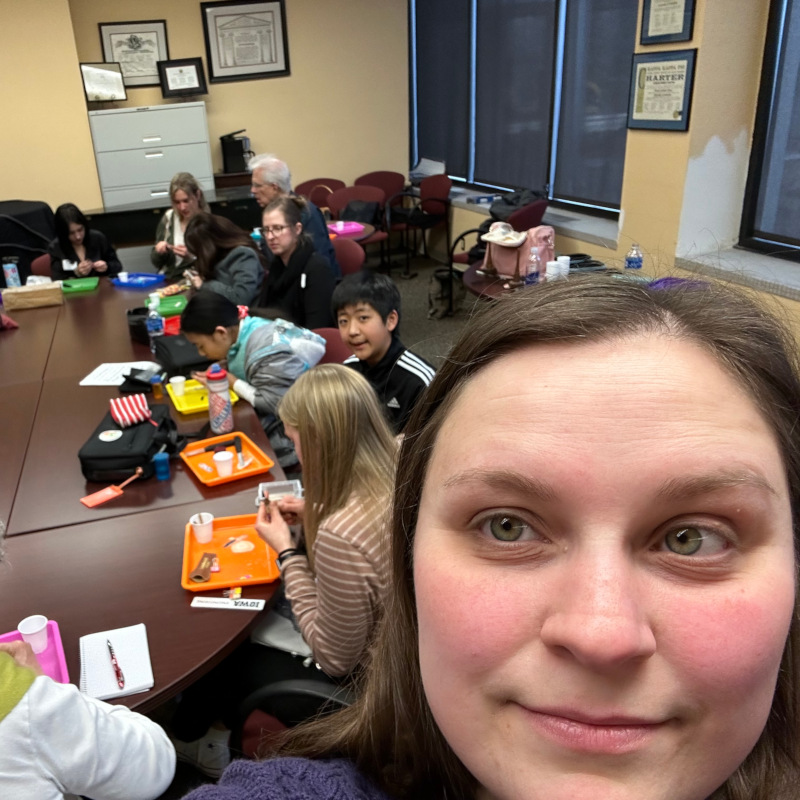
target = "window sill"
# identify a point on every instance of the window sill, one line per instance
(583, 227)
(746, 268)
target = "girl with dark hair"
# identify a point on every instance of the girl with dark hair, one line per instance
(228, 261)
(264, 357)
(594, 565)
(300, 282)
(170, 254)
(77, 251)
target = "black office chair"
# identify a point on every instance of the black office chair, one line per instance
(287, 703)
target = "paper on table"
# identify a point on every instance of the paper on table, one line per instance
(113, 373)
(133, 655)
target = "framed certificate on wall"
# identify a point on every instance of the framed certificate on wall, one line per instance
(661, 90)
(667, 21)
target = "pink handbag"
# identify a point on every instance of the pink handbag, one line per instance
(502, 258)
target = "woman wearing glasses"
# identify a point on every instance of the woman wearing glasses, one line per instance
(300, 282)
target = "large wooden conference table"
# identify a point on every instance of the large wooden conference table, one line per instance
(120, 563)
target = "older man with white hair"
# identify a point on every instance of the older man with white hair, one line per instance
(271, 179)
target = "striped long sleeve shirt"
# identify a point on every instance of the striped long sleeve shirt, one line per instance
(337, 609)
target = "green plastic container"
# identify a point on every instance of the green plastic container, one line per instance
(172, 306)
(73, 285)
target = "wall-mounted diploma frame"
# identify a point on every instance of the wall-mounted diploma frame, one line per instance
(661, 90)
(245, 40)
(103, 82)
(182, 77)
(137, 46)
(667, 21)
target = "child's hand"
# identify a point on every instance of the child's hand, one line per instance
(200, 377)
(272, 527)
(292, 509)
(21, 653)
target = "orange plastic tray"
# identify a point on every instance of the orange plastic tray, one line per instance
(261, 462)
(236, 569)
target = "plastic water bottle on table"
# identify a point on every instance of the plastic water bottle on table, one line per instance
(155, 322)
(220, 409)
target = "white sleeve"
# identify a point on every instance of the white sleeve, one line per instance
(105, 751)
(245, 391)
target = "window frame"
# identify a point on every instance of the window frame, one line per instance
(750, 238)
(604, 210)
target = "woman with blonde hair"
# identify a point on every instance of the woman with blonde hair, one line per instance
(170, 255)
(335, 579)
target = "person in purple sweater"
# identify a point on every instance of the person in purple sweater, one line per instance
(594, 565)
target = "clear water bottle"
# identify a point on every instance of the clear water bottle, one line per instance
(533, 274)
(220, 410)
(634, 258)
(155, 322)
(11, 271)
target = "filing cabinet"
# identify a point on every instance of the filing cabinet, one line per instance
(138, 150)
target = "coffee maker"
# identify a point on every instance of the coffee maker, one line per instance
(236, 152)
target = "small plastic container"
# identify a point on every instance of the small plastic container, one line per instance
(157, 387)
(276, 490)
(161, 464)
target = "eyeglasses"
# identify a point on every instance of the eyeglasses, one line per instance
(274, 230)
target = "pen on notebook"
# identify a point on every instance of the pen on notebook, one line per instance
(115, 664)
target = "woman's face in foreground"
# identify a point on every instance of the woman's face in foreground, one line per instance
(604, 576)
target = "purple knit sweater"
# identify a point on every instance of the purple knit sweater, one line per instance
(295, 778)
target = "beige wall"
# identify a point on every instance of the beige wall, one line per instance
(45, 145)
(342, 111)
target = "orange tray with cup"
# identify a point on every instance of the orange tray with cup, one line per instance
(202, 464)
(235, 568)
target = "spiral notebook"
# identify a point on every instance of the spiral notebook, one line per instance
(98, 677)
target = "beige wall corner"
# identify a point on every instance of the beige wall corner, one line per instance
(44, 139)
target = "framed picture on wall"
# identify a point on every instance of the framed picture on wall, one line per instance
(182, 77)
(245, 40)
(661, 90)
(667, 21)
(103, 82)
(138, 47)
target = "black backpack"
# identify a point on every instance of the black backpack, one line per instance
(112, 454)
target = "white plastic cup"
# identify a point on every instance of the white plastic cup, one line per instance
(33, 630)
(563, 270)
(202, 527)
(178, 384)
(223, 461)
(552, 270)
(123, 276)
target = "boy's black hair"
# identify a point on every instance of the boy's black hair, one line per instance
(206, 310)
(378, 291)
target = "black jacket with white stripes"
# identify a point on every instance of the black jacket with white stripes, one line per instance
(399, 378)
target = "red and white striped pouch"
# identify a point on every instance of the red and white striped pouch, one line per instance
(130, 409)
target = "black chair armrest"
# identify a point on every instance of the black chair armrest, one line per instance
(291, 702)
